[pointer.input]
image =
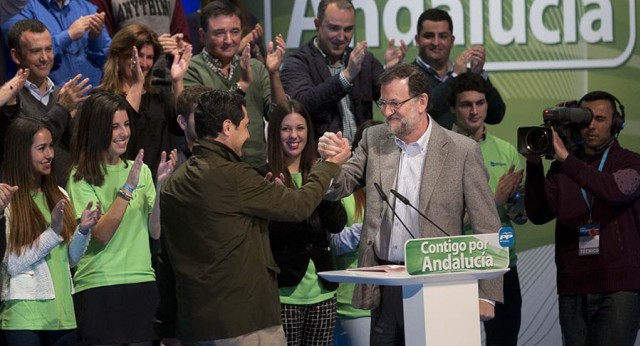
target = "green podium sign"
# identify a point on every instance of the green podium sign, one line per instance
(455, 254)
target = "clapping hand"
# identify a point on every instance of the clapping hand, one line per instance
(246, 73)
(474, 56)
(11, 88)
(181, 63)
(355, 61)
(136, 70)
(6, 192)
(57, 216)
(166, 166)
(394, 55)
(250, 37)
(73, 92)
(89, 218)
(77, 29)
(507, 185)
(275, 54)
(134, 174)
(95, 24)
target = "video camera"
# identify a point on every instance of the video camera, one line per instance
(567, 122)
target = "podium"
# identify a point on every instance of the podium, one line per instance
(439, 309)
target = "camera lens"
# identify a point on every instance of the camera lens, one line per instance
(537, 140)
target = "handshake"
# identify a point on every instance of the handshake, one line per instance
(332, 147)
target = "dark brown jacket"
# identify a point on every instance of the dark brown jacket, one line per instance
(215, 214)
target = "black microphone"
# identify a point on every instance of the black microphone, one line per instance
(386, 200)
(404, 200)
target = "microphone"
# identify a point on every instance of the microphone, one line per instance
(404, 200)
(383, 196)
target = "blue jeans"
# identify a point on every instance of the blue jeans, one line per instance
(352, 331)
(599, 319)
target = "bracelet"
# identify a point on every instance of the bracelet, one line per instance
(128, 187)
(84, 231)
(124, 195)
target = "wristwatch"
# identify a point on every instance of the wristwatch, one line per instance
(236, 88)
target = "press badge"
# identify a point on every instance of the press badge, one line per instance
(589, 240)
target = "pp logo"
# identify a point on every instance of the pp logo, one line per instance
(506, 237)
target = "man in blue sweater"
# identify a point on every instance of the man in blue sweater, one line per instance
(80, 41)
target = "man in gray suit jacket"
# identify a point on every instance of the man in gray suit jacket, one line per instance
(441, 172)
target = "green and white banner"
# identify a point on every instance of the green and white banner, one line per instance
(539, 52)
(455, 254)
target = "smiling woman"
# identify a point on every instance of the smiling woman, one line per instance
(115, 274)
(44, 241)
(151, 109)
(301, 249)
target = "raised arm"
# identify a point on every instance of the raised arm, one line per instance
(10, 89)
(106, 227)
(179, 67)
(82, 234)
(275, 57)
(99, 39)
(164, 171)
(134, 94)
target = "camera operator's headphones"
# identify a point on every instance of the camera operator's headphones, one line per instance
(618, 108)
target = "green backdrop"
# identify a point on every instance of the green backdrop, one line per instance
(539, 52)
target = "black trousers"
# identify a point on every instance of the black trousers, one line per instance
(503, 329)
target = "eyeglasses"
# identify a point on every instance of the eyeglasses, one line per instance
(394, 105)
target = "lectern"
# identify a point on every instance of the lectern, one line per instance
(439, 309)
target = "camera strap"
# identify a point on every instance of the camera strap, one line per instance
(589, 233)
(584, 192)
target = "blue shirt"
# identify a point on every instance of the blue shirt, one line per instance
(35, 91)
(85, 56)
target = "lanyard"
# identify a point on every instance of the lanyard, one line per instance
(584, 193)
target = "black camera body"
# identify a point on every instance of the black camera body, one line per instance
(567, 122)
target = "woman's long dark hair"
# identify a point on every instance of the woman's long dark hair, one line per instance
(26, 220)
(275, 149)
(93, 135)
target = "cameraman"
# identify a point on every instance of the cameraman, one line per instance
(594, 197)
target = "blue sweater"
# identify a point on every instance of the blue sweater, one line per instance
(85, 56)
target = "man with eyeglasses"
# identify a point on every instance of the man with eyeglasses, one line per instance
(337, 84)
(440, 172)
(434, 40)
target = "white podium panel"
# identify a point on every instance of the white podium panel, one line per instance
(439, 309)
